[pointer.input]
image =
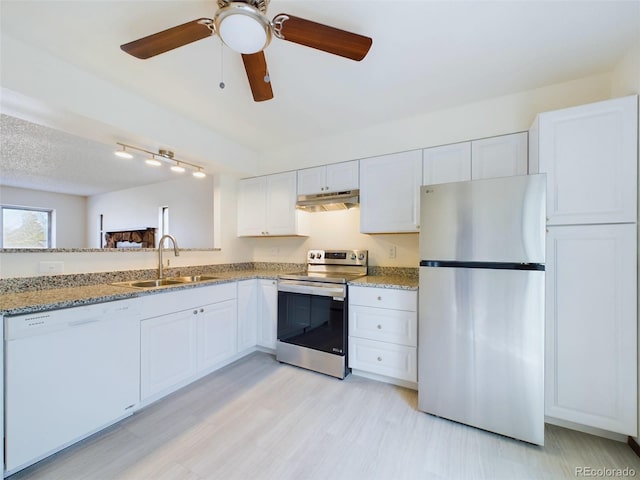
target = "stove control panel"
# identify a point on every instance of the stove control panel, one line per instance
(337, 257)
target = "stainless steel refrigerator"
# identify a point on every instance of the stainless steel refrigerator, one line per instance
(481, 304)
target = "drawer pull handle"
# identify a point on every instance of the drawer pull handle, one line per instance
(379, 359)
(379, 327)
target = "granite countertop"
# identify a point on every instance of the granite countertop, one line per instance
(387, 281)
(56, 298)
(38, 300)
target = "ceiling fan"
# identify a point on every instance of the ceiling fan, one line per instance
(244, 27)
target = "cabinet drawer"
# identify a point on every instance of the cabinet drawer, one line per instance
(384, 298)
(396, 361)
(395, 326)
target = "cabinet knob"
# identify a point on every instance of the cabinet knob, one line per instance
(379, 359)
(379, 298)
(195, 312)
(202, 310)
(379, 327)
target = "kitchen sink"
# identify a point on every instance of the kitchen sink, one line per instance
(192, 279)
(163, 282)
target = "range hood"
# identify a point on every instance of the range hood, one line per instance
(324, 202)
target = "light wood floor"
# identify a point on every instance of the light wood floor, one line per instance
(258, 419)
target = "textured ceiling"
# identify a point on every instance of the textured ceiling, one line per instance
(42, 158)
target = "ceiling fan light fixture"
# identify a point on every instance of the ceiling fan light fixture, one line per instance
(243, 28)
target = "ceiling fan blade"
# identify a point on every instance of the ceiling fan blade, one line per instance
(322, 37)
(256, 66)
(169, 39)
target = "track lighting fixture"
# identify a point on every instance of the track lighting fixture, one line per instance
(162, 156)
(123, 153)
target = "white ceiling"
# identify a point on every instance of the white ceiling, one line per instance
(426, 55)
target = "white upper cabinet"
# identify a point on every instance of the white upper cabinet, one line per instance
(390, 193)
(328, 178)
(267, 207)
(502, 156)
(589, 153)
(447, 163)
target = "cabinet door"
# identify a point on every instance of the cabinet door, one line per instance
(312, 180)
(342, 176)
(168, 352)
(502, 156)
(217, 326)
(589, 154)
(251, 206)
(591, 326)
(448, 163)
(268, 322)
(248, 295)
(390, 193)
(281, 204)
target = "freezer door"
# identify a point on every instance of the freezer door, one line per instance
(493, 220)
(481, 349)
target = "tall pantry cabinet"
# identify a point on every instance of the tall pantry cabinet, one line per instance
(590, 156)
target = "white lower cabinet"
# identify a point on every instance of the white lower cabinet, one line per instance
(217, 331)
(591, 332)
(268, 313)
(383, 333)
(178, 347)
(248, 295)
(168, 352)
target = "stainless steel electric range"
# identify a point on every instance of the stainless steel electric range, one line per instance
(312, 311)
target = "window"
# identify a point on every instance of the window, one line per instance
(24, 227)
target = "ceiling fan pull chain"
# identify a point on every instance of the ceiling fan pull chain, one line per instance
(221, 84)
(276, 25)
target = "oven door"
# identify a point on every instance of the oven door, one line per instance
(313, 315)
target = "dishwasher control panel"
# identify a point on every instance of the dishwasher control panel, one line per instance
(38, 323)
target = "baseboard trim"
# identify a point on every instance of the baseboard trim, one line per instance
(634, 445)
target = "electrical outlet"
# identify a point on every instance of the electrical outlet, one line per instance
(392, 251)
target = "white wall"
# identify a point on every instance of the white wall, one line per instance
(232, 249)
(123, 115)
(70, 212)
(625, 79)
(494, 116)
(339, 229)
(190, 202)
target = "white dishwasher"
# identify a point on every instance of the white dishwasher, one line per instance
(69, 373)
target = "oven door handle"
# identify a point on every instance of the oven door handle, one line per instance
(337, 292)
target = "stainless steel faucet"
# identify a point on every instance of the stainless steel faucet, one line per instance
(160, 245)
